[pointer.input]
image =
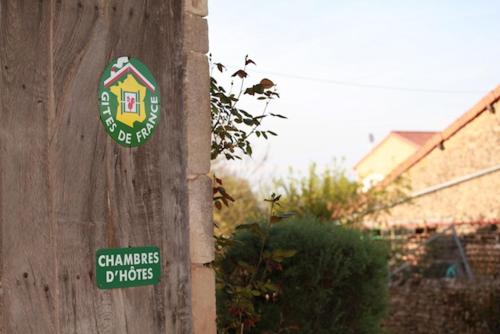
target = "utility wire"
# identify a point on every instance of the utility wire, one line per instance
(364, 85)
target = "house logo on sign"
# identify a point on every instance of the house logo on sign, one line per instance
(129, 103)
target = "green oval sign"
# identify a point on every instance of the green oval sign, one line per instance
(129, 102)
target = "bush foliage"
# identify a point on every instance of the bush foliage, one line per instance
(245, 208)
(301, 276)
(331, 194)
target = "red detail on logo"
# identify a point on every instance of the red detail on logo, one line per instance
(130, 102)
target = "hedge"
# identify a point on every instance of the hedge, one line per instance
(333, 281)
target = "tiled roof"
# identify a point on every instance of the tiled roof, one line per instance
(417, 137)
(440, 137)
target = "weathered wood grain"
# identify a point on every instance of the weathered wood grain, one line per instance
(28, 265)
(88, 192)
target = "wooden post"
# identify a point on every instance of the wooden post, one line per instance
(66, 189)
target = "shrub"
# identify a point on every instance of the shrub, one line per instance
(323, 279)
(245, 207)
(332, 194)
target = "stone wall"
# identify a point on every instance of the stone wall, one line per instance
(440, 305)
(483, 252)
(198, 121)
(481, 243)
(474, 147)
(425, 306)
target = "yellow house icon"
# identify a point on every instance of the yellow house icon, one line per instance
(130, 95)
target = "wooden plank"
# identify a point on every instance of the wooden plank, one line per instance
(109, 196)
(27, 271)
(66, 189)
(78, 157)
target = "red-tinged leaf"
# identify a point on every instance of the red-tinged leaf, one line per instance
(220, 67)
(240, 73)
(266, 83)
(249, 61)
(229, 197)
(275, 219)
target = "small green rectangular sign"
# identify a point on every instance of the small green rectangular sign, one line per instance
(127, 267)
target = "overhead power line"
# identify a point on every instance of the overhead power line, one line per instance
(366, 85)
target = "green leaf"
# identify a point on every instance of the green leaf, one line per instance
(249, 150)
(246, 266)
(284, 253)
(271, 287)
(245, 113)
(253, 227)
(256, 293)
(278, 115)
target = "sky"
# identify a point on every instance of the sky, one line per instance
(348, 69)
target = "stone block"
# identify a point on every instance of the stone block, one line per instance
(200, 220)
(203, 299)
(197, 7)
(198, 115)
(196, 33)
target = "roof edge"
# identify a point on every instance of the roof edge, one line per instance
(400, 134)
(394, 132)
(489, 99)
(372, 150)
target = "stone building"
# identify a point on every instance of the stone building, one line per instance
(454, 175)
(454, 180)
(388, 154)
